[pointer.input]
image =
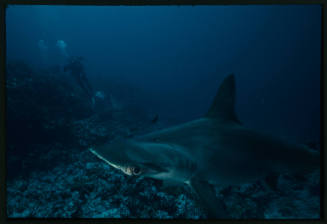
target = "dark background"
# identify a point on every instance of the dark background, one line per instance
(174, 58)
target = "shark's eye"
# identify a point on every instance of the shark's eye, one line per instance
(136, 170)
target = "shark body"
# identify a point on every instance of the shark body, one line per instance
(215, 149)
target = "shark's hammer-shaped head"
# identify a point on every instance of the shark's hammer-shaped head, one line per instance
(148, 159)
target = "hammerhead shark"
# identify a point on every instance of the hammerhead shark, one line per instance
(216, 149)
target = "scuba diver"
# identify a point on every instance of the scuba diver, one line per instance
(76, 69)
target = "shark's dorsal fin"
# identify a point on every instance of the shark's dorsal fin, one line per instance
(223, 106)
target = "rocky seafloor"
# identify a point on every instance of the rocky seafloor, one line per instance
(51, 174)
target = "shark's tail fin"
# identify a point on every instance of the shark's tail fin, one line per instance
(223, 106)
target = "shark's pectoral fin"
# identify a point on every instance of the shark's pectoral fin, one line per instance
(171, 186)
(169, 183)
(223, 106)
(206, 197)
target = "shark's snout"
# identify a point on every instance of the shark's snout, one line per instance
(127, 169)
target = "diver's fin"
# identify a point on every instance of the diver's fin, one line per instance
(223, 106)
(207, 199)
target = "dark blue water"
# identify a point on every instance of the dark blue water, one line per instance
(179, 55)
(167, 61)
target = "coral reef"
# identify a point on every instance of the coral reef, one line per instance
(52, 174)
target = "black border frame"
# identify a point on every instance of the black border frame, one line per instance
(323, 83)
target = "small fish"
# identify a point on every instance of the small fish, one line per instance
(155, 119)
